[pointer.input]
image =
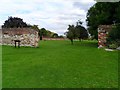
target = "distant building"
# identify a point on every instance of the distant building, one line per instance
(103, 31)
(27, 36)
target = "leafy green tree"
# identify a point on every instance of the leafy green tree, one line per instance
(61, 36)
(55, 35)
(47, 33)
(71, 34)
(34, 27)
(43, 31)
(102, 13)
(13, 22)
(81, 32)
(76, 32)
(117, 15)
(114, 35)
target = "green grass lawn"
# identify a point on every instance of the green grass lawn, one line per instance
(0, 67)
(58, 64)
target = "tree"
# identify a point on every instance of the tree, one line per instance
(43, 31)
(114, 35)
(81, 32)
(13, 22)
(55, 35)
(34, 27)
(102, 13)
(47, 33)
(71, 33)
(76, 32)
(61, 36)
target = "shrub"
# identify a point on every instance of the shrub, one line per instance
(114, 45)
(113, 39)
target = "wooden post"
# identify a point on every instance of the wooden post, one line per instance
(15, 44)
(19, 44)
(17, 41)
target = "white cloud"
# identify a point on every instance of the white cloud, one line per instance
(54, 15)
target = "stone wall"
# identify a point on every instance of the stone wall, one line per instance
(103, 31)
(27, 36)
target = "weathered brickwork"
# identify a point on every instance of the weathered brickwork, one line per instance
(103, 31)
(27, 36)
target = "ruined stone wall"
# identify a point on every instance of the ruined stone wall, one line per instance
(27, 36)
(103, 31)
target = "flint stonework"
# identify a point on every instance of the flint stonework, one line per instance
(27, 36)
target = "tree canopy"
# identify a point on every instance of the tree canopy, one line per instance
(102, 13)
(114, 35)
(71, 33)
(55, 35)
(13, 22)
(81, 32)
(77, 31)
(47, 33)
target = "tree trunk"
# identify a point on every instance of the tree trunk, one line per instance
(40, 38)
(79, 39)
(71, 41)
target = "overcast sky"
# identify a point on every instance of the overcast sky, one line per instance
(54, 15)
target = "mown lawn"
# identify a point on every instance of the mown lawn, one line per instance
(0, 67)
(58, 64)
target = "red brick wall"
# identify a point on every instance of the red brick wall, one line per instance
(102, 34)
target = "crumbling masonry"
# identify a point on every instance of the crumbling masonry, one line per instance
(103, 31)
(27, 36)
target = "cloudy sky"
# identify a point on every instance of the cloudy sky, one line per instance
(54, 15)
